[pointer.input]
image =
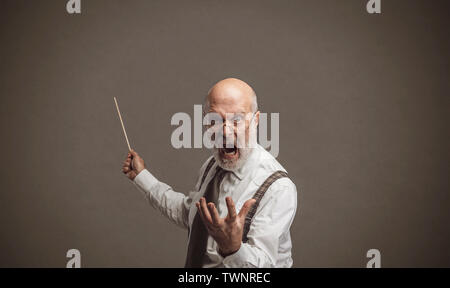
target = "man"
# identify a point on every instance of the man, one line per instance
(224, 230)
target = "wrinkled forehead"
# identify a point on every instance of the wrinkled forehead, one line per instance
(230, 101)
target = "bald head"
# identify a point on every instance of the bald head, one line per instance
(234, 102)
(231, 95)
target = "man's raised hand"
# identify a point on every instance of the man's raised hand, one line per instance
(133, 165)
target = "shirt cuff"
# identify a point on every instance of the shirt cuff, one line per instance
(237, 259)
(145, 180)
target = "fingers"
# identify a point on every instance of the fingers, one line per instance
(126, 167)
(208, 212)
(231, 208)
(214, 214)
(246, 207)
(199, 209)
(205, 211)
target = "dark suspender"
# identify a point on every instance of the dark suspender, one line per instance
(258, 195)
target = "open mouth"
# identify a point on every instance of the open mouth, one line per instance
(229, 152)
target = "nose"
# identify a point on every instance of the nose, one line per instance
(228, 134)
(227, 130)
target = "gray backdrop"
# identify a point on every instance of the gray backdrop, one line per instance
(363, 102)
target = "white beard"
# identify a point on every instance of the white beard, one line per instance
(244, 153)
(235, 164)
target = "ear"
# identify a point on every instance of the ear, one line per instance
(257, 118)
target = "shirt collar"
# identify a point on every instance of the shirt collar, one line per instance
(248, 165)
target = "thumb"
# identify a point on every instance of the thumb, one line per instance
(133, 153)
(246, 207)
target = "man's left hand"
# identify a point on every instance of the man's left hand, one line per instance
(227, 232)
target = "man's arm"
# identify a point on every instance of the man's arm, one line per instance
(174, 205)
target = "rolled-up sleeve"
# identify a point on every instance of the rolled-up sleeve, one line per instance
(272, 220)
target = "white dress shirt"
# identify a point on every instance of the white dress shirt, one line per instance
(269, 241)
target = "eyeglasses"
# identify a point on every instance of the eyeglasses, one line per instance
(231, 120)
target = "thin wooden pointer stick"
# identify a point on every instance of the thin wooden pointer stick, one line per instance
(121, 121)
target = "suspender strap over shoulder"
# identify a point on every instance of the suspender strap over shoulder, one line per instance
(208, 167)
(258, 196)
